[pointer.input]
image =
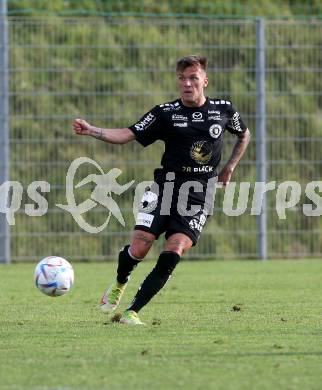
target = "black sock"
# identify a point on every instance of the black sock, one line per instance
(156, 279)
(126, 265)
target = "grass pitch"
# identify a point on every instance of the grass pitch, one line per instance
(216, 325)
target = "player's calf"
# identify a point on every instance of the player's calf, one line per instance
(155, 280)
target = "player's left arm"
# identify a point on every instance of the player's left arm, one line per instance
(237, 153)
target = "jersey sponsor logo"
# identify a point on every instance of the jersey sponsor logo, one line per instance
(198, 222)
(215, 115)
(201, 152)
(203, 169)
(144, 219)
(236, 122)
(197, 117)
(180, 124)
(145, 122)
(177, 117)
(215, 130)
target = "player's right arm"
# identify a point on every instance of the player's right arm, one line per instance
(112, 136)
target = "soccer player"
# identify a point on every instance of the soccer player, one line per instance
(178, 203)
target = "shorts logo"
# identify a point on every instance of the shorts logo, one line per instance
(215, 130)
(144, 219)
(198, 222)
(149, 202)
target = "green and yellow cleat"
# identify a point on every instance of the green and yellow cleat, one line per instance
(112, 297)
(130, 317)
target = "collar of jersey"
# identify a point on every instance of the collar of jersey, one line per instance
(194, 108)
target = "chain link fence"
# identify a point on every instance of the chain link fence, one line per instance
(112, 70)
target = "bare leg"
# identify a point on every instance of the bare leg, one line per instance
(131, 255)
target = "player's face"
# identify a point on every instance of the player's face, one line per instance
(191, 84)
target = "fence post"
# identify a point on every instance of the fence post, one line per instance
(261, 161)
(4, 128)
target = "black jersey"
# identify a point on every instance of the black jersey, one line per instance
(193, 136)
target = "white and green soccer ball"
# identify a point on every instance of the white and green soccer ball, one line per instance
(54, 276)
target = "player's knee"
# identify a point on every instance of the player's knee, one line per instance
(167, 262)
(138, 252)
(178, 245)
(141, 244)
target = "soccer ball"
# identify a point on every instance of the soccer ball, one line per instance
(54, 276)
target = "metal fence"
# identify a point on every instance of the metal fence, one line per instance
(110, 71)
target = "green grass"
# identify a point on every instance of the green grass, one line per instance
(194, 339)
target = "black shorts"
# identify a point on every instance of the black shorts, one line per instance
(180, 205)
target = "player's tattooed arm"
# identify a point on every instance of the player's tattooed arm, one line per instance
(237, 153)
(112, 136)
